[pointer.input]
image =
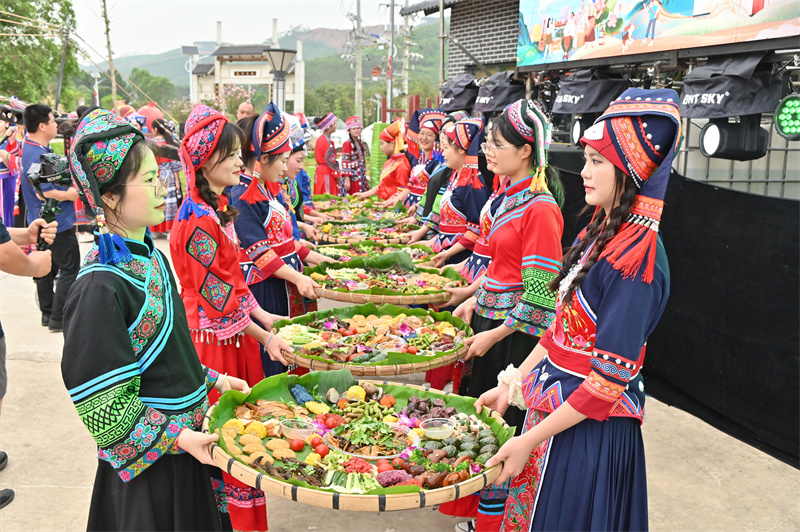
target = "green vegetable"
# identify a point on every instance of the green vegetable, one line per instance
(488, 440)
(481, 459)
(489, 449)
(467, 453)
(468, 438)
(469, 446)
(432, 445)
(450, 441)
(362, 359)
(485, 433)
(450, 450)
(380, 356)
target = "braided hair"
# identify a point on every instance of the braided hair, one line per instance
(600, 230)
(230, 137)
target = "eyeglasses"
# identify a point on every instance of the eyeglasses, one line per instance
(491, 147)
(159, 185)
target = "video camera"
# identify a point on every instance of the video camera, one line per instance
(51, 168)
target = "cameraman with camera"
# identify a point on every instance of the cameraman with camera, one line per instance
(41, 126)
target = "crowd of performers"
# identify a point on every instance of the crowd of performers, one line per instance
(559, 334)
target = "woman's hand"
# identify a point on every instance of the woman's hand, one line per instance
(514, 455)
(306, 285)
(458, 296)
(197, 444)
(310, 231)
(232, 383)
(496, 399)
(479, 344)
(305, 243)
(315, 220)
(275, 346)
(440, 258)
(48, 231)
(465, 310)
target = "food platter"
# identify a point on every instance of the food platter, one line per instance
(374, 341)
(392, 278)
(384, 231)
(434, 472)
(420, 255)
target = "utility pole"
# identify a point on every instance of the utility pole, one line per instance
(442, 77)
(65, 42)
(110, 58)
(389, 88)
(359, 87)
(406, 56)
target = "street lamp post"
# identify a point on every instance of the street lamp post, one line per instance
(192, 52)
(280, 59)
(96, 76)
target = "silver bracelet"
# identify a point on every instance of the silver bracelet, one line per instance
(222, 382)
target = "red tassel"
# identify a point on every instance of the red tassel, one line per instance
(253, 193)
(469, 177)
(628, 258)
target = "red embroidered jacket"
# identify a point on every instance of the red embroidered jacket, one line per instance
(205, 256)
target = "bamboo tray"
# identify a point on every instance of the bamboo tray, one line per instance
(357, 503)
(376, 371)
(355, 240)
(380, 299)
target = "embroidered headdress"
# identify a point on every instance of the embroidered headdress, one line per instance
(327, 122)
(394, 133)
(352, 123)
(639, 133)
(415, 124)
(101, 143)
(532, 125)
(270, 133)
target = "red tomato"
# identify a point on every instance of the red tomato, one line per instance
(383, 461)
(363, 276)
(298, 445)
(412, 349)
(353, 330)
(385, 467)
(331, 423)
(322, 450)
(341, 330)
(397, 462)
(316, 440)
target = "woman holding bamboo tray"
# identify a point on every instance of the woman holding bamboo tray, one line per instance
(396, 169)
(513, 307)
(129, 363)
(271, 257)
(466, 194)
(582, 385)
(219, 304)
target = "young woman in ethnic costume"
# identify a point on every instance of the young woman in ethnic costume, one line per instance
(354, 165)
(326, 177)
(205, 254)
(129, 362)
(582, 385)
(466, 194)
(430, 156)
(271, 258)
(396, 169)
(169, 170)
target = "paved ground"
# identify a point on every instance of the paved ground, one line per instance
(698, 478)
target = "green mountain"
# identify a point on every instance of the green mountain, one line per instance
(322, 50)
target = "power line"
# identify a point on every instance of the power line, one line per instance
(55, 26)
(27, 35)
(27, 24)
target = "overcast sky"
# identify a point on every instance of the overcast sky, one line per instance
(154, 26)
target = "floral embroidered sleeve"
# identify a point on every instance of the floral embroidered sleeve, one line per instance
(541, 261)
(627, 314)
(223, 299)
(104, 384)
(253, 237)
(211, 378)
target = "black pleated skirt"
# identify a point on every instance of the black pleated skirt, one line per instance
(513, 349)
(174, 493)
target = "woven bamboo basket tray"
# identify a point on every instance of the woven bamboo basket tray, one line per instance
(353, 297)
(334, 240)
(376, 371)
(356, 503)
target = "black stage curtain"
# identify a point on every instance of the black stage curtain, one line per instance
(727, 348)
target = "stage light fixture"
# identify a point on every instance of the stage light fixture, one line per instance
(743, 141)
(787, 117)
(580, 123)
